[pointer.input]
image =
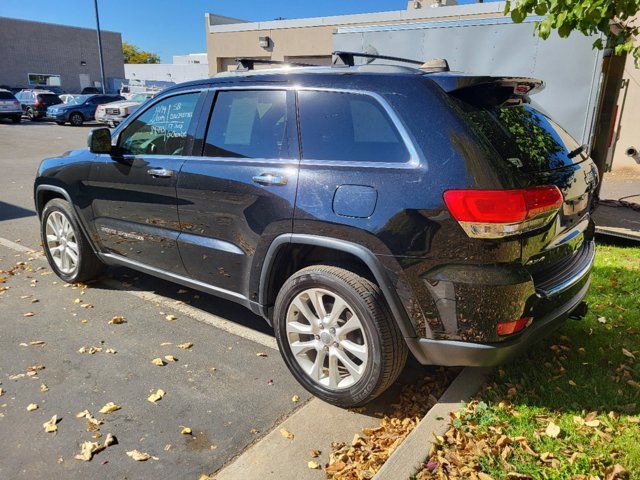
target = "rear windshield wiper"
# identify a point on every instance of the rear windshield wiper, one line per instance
(578, 150)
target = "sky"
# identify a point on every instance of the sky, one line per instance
(176, 27)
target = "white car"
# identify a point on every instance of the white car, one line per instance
(114, 113)
(10, 107)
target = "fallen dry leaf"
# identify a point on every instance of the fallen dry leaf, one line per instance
(313, 465)
(158, 362)
(32, 406)
(627, 353)
(315, 453)
(110, 408)
(154, 397)
(171, 318)
(552, 430)
(170, 358)
(37, 342)
(139, 456)
(261, 354)
(295, 399)
(110, 350)
(51, 426)
(185, 346)
(1, 392)
(286, 433)
(117, 320)
(28, 314)
(87, 450)
(185, 431)
(110, 440)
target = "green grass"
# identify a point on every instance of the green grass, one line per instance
(580, 369)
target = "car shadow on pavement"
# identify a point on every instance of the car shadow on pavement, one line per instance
(9, 211)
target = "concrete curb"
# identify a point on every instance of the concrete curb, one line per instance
(407, 459)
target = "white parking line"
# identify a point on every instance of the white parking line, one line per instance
(192, 312)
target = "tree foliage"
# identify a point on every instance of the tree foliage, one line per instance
(133, 54)
(613, 18)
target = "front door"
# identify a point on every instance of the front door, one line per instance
(239, 194)
(134, 190)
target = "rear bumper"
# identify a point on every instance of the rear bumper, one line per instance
(109, 119)
(459, 353)
(10, 114)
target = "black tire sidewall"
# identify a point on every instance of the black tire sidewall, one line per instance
(359, 392)
(65, 209)
(76, 115)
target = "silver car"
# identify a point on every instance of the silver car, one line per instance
(115, 112)
(10, 107)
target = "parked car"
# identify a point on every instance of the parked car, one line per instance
(35, 102)
(114, 113)
(79, 110)
(90, 90)
(10, 106)
(365, 212)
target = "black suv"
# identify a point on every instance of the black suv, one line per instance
(363, 211)
(35, 102)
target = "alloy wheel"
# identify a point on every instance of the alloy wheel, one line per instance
(327, 338)
(62, 243)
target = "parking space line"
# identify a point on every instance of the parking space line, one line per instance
(192, 312)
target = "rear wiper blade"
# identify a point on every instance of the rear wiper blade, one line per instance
(578, 150)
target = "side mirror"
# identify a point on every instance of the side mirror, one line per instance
(99, 140)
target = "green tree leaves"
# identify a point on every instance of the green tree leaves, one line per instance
(133, 54)
(613, 19)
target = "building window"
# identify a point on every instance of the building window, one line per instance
(44, 80)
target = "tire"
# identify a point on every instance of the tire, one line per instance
(16, 119)
(31, 115)
(87, 266)
(378, 340)
(76, 119)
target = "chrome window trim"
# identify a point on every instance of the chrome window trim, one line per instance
(414, 157)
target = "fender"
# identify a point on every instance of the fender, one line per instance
(53, 188)
(369, 259)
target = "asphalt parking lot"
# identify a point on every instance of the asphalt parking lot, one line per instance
(219, 388)
(230, 388)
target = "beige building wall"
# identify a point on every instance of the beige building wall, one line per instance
(629, 125)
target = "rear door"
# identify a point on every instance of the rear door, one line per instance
(238, 194)
(134, 190)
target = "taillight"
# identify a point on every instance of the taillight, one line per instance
(16, 102)
(508, 328)
(500, 213)
(37, 103)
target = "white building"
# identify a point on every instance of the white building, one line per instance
(184, 68)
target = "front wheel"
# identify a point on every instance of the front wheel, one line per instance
(76, 119)
(337, 336)
(67, 250)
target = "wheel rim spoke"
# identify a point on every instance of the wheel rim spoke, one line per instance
(61, 242)
(331, 351)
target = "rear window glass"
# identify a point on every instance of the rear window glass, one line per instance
(523, 136)
(348, 127)
(48, 97)
(6, 96)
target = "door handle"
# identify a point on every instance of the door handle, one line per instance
(270, 179)
(160, 172)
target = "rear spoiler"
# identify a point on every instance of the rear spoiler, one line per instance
(486, 91)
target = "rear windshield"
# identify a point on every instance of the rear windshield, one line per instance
(523, 136)
(48, 97)
(6, 96)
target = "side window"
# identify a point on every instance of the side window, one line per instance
(161, 129)
(347, 127)
(249, 124)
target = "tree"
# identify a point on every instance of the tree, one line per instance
(133, 54)
(613, 18)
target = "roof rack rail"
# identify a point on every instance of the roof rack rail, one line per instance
(249, 63)
(348, 57)
(430, 66)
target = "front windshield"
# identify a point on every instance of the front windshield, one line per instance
(140, 97)
(80, 99)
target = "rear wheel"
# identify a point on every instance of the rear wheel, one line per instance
(68, 251)
(76, 119)
(337, 336)
(31, 115)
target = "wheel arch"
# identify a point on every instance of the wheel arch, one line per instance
(363, 256)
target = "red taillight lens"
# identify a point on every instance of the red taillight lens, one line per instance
(508, 328)
(37, 103)
(498, 213)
